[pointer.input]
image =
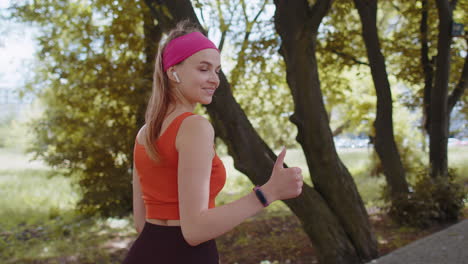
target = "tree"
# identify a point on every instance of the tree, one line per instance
(298, 24)
(257, 75)
(108, 47)
(93, 79)
(439, 111)
(411, 51)
(384, 139)
(340, 46)
(421, 72)
(256, 161)
(92, 75)
(408, 34)
(444, 79)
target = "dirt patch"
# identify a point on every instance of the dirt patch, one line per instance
(282, 239)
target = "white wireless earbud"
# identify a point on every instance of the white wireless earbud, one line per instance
(176, 77)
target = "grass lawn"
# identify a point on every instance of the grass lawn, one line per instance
(38, 224)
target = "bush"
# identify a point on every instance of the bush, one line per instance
(431, 201)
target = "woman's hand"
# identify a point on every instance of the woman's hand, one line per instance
(284, 183)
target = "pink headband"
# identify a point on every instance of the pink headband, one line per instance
(185, 46)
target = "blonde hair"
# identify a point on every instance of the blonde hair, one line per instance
(163, 94)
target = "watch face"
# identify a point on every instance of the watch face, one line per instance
(260, 196)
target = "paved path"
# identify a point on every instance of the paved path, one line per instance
(449, 246)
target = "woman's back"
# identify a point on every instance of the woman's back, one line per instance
(159, 179)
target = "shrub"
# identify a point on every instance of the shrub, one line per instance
(431, 201)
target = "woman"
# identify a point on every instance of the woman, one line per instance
(177, 173)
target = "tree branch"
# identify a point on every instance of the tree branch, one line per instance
(426, 64)
(397, 8)
(239, 69)
(340, 128)
(445, 6)
(244, 10)
(319, 9)
(199, 7)
(453, 4)
(349, 57)
(460, 88)
(162, 11)
(260, 11)
(222, 25)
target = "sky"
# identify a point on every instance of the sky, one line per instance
(16, 51)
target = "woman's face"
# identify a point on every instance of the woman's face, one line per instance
(198, 76)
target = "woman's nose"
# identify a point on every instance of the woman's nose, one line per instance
(214, 78)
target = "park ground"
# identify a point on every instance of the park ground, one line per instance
(38, 223)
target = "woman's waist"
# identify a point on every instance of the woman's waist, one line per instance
(164, 222)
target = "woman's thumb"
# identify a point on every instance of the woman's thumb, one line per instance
(280, 160)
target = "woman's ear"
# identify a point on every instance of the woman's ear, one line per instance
(176, 76)
(172, 75)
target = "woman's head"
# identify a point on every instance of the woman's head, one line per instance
(192, 64)
(180, 48)
(196, 79)
(186, 71)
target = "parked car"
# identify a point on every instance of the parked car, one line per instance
(462, 142)
(453, 141)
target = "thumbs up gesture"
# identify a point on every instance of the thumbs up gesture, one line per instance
(284, 183)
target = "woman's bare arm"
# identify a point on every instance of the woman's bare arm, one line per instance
(138, 204)
(199, 224)
(139, 210)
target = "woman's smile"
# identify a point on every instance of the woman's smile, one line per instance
(210, 91)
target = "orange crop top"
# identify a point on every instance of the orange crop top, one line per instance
(159, 180)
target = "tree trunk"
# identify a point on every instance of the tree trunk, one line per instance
(329, 233)
(254, 158)
(427, 66)
(384, 141)
(439, 122)
(297, 23)
(153, 35)
(460, 88)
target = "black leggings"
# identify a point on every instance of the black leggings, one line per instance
(165, 245)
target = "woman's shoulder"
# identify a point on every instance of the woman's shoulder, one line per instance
(195, 132)
(195, 129)
(141, 135)
(196, 123)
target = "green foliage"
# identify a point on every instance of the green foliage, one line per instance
(90, 78)
(401, 45)
(341, 50)
(358, 111)
(457, 156)
(268, 103)
(92, 81)
(409, 140)
(349, 101)
(254, 69)
(432, 201)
